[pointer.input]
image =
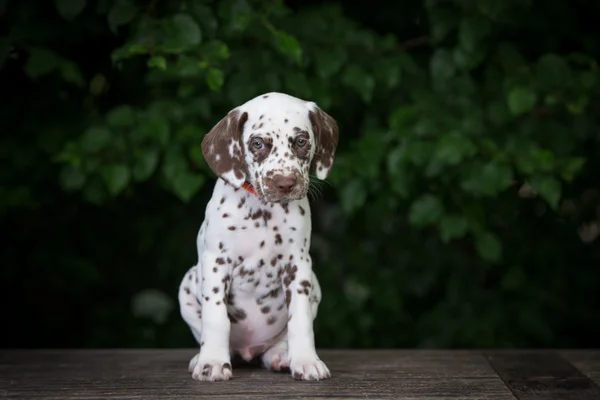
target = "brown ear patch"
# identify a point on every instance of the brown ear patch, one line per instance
(326, 135)
(223, 150)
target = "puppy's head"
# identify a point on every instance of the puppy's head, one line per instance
(274, 142)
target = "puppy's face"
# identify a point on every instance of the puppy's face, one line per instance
(273, 142)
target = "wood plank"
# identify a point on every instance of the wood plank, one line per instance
(542, 375)
(153, 374)
(587, 361)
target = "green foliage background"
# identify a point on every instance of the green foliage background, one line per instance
(461, 207)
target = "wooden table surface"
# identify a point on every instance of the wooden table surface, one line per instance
(373, 374)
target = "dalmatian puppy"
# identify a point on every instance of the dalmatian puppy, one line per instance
(253, 291)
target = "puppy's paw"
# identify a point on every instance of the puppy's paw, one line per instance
(210, 370)
(276, 359)
(309, 369)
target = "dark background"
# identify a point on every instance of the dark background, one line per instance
(462, 210)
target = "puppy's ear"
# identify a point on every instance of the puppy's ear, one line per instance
(326, 135)
(223, 150)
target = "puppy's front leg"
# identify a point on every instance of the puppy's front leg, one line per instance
(304, 362)
(214, 362)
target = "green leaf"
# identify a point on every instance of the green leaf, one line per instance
(548, 187)
(158, 62)
(95, 139)
(452, 227)
(186, 184)
(360, 80)
(473, 29)
(71, 73)
(572, 167)
(441, 65)
(215, 79)
(121, 116)
(188, 31)
(426, 210)
(146, 161)
(116, 177)
(552, 71)
(388, 72)
(71, 178)
(289, 46)
(452, 148)
(121, 13)
(353, 196)
(41, 62)
(69, 9)
(487, 179)
(488, 246)
(329, 63)
(521, 100)
(174, 164)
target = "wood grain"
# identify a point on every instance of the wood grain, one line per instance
(542, 375)
(162, 374)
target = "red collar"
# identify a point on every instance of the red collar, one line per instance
(248, 186)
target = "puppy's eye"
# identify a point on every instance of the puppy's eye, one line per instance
(258, 144)
(300, 142)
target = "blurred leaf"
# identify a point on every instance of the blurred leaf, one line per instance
(488, 179)
(452, 227)
(552, 71)
(329, 63)
(548, 187)
(187, 30)
(441, 65)
(472, 30)
(71, 178)
(116, 177)
(69, 9)
(353, 196)
(572, 167)
(71, 73)
(174, 164)
(122, 12)
(158, 62)
(488, 246)
(426, 210)
(146, 161)
(41, 62)
(521, 100)
(121, 116)
(358, 79)
(289, 46)
(95, 139)
(186, 184)
(215, 79)
(452, 148)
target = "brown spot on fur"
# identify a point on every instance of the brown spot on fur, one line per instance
(278, 239)
(231, 228)
(271, 320)
(265, 309)
(302, 212)
(220, 261)
(288, 298)
(215, 290)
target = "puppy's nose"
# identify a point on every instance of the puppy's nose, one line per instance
(285, 183)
